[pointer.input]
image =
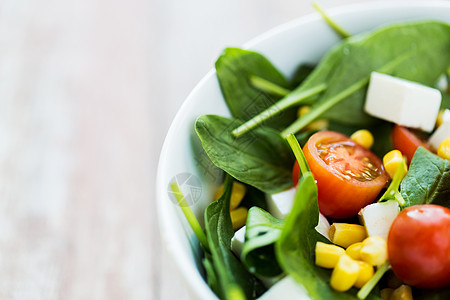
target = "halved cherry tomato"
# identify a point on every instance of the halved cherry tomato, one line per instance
(419, 246)
(348, 175)
(406, 141)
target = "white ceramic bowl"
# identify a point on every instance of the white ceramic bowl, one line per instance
(306, 39)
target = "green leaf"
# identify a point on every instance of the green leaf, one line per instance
(301, 73)
(261, 233)
(427, 181)
(295, 247)
(230, 273)
(190, 217)
(434, 294)
(426, 44)
(254, 197)
(234, 69)
(261, 159)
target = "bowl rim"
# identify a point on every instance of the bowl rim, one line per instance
(190, 275)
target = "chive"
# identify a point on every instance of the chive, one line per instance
(326, 104)
(295, 146)
(367, 288)
(277, 108)
(392, 191)
(338, 29)
(192, 220)
(267, 86)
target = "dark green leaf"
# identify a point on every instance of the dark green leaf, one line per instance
(427, 181)
(301, 73)
(254, 197)
(261, 233)
(436, 294)
(234, 68)
(229, 272)
(211, 276)
(261, 158)
(295, 247)
(414, 51)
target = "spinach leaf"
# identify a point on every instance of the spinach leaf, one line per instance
(230, 277)
(434, 294)
(234, 69)
(414, 51)
(211, 276)
(426, 44)
(254, 197)
(261, 159)
(427, 181)
(295, 247)
(261, 233)
(301, 73)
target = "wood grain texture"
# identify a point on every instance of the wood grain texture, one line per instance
(88, 89)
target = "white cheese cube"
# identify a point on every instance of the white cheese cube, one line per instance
(403, 102)
(378, 217)
(280, 204)
(286, 288)
(237, 241)
(323, 227)
(439, 135)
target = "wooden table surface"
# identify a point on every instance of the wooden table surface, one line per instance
(88, 90)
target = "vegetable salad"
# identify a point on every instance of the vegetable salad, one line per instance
(314, 137)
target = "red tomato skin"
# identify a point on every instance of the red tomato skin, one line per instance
(339, 198)
(406, 141)
(295, 172)
(419, 246)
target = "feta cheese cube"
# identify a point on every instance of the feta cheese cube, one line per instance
(378, 217)
(403, 102)
(323, 227)
(286, 288)
(439, 135)
(280, 204)
(237, 241)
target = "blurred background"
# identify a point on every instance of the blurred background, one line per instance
(88, 90)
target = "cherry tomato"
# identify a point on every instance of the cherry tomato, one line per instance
(295, 172)
(406, 141)
(348, 175)
(419, 246)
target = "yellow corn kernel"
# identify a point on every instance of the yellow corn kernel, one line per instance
(444, 149)
(392, 161)
(303, 110)
(443, 116)
(363, 137)
(237, 194)
(374, 250)
(320, 124)
(327, 255)
(238, 217)
(402, 293)
(344, 234)
(344, 274)
(353, 251)
(365, 273)
(386, 293)
(316, 125)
